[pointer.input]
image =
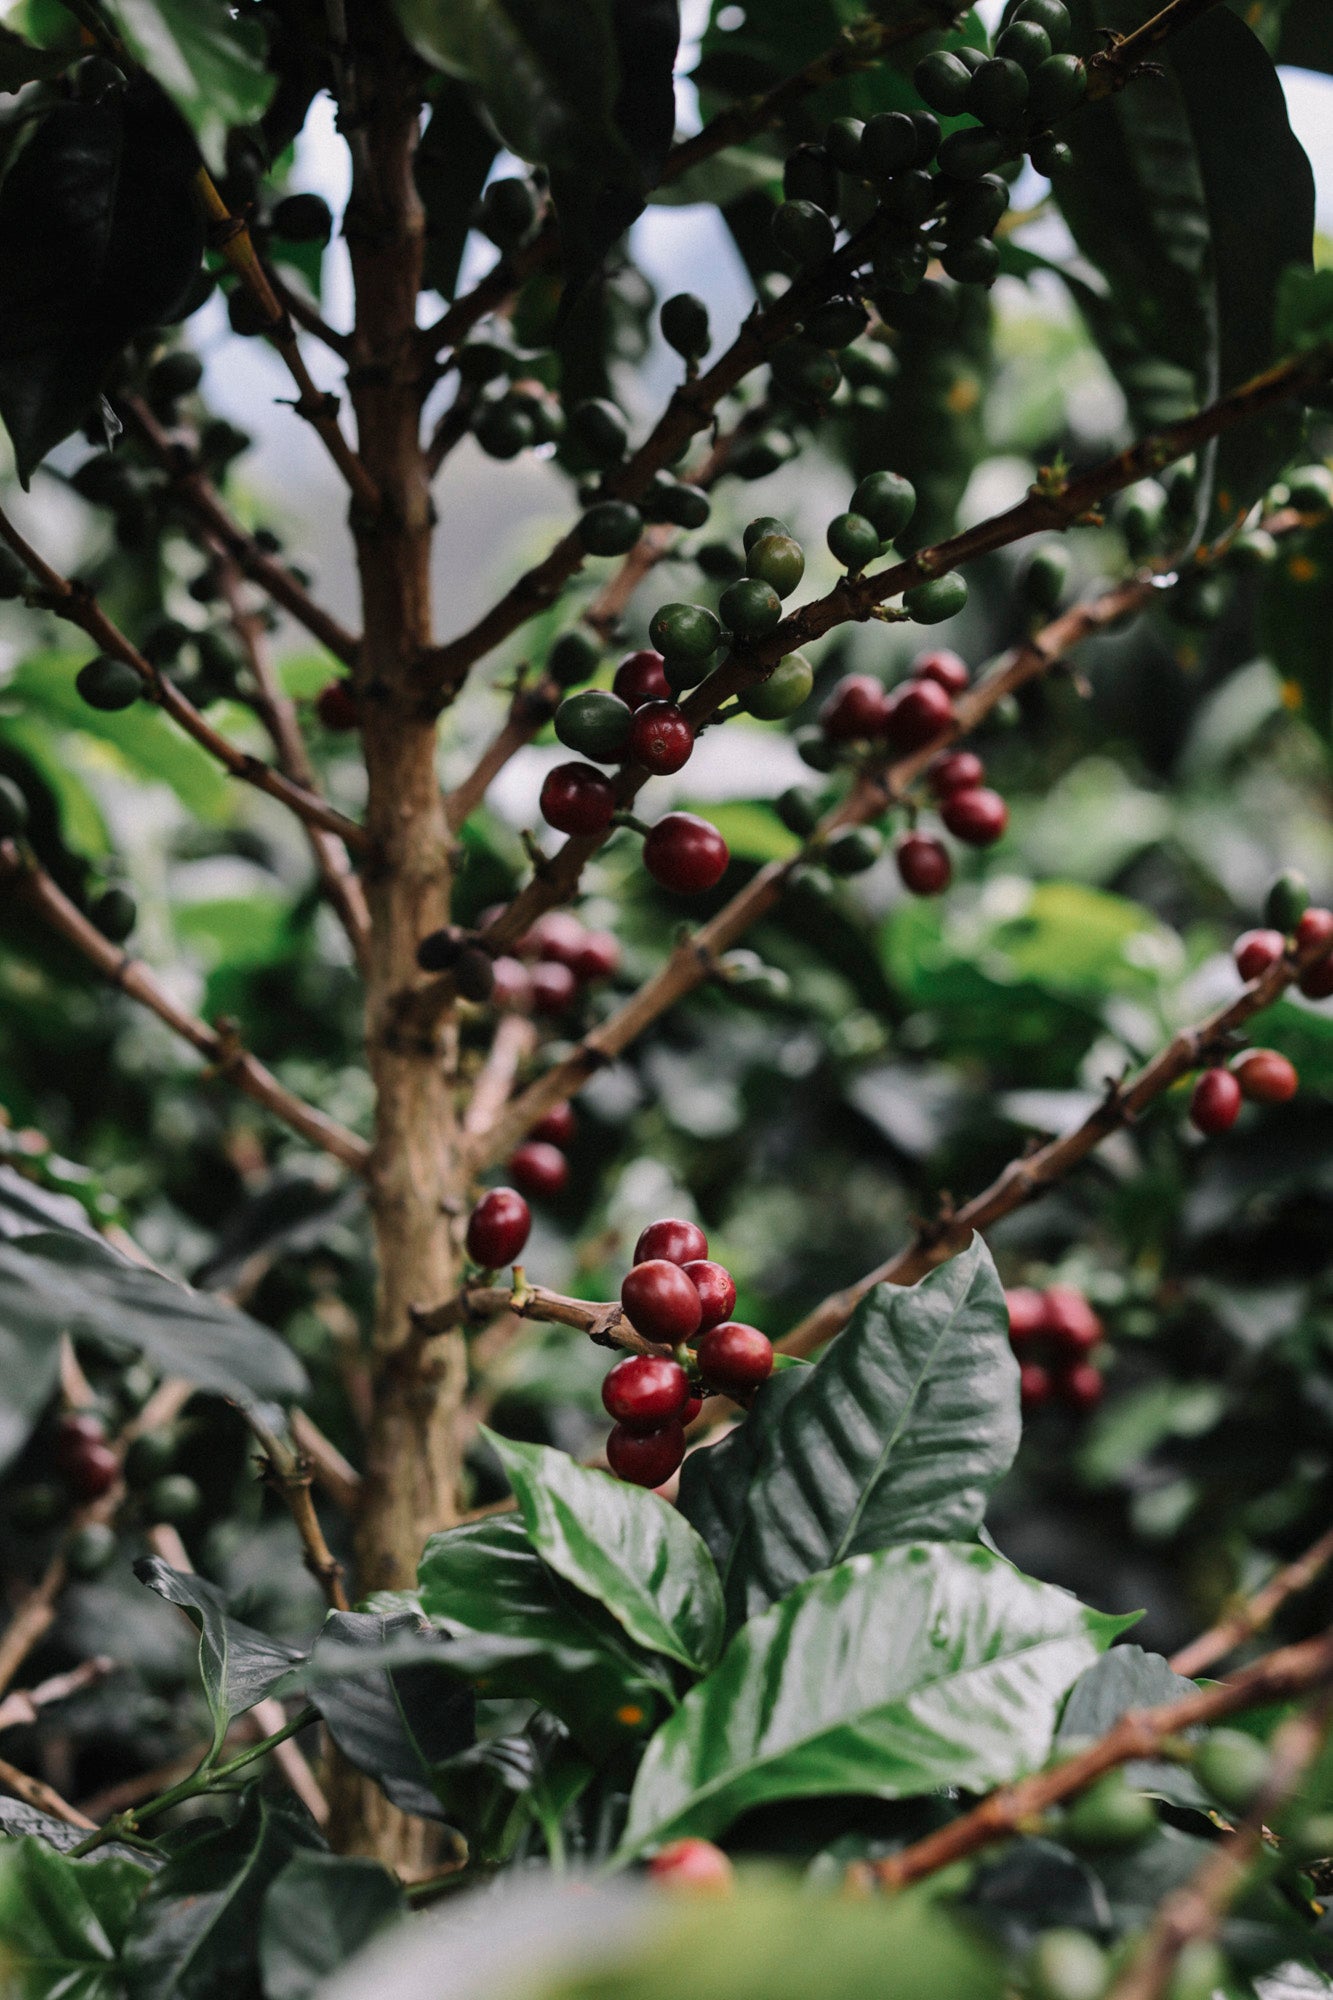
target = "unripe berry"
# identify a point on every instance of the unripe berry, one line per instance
(763, 524)
(507, 211)
(997, 93)
(843, 140)
(940, 597)
(553, 987)
(1045, 577)
(1067, 1965)
(1070, 1320)
(558, 1127)
(539, 1169)
(175, 1499)
(1287, 900)
(1265, 1077)
(1255, 951)
(716, 1288)
(750, 607)
(576, 799)
(943, 666)
(924, 864)
(684, 323)
(108, 685)
(645, 1459)
(837, 323)
(1025, 43)
(90, 1549)
(1050, 15)
(694, 1865)
(685, 631)
(594, 723)
(803, 231)
(610, 528)
(685, 854)
(660, 738)
(1215, 1102)
(573, 658)
(1034, 1385)
(645, 1391)
(978, 816)
(943, 81)
(598, 958)
(853, 850)
(640, 677)
(1082, 1387)
(1201, 1971)
(969, 153)
(956, 771)
(1108, 1816)
(777, 560)
(1055, 87)
(916, 714)
(661, 1301)
(674, 1239)
(786, 689)
(853, 541)
(888, 502)
(855, 709)
(889, 143)
(1027, 1313)
(734, 1357)
(1232, 1766)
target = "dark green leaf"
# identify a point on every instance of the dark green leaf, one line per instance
(238, 1665)
(321, 1909)
(1304, 309)
(1124, 1679)
(622, 1546)
(208, 56)
(62, 1922)
(18, 1819)
(22, 62)
(451, 166)
(1297, 614)
(715, 1480)
(894, 1674)
(1035, 1886)
(392, 1722)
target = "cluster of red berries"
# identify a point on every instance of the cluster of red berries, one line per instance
(1053, 1333)
(84, 1459)
(1255, 951)
(676, 1295)
(861, 709)
(1262, 1075)
(551, 963)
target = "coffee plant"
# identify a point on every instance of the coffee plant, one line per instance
(666, 1258)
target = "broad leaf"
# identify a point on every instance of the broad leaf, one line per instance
(393, 1722)
(1297, 616)
(207, 57)
(451, 165)
(1034, 1886)
(237, 1664)
(321, 1909)
(23, 62)
(621, 1545)
(895, 1674)
(18, 1819)
(62, 1922)
(1123, 1679)
(907, 1423)
(715, 1480)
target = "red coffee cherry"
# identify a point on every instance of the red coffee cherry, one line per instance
(1027, 1313)
(641, 677)
(91, 1471)
(693, 1865)
(557, 935)
(716, 1288)
(855, 709)
(1083, 1387)
(660, 1301)
(956, 771)
(1070, 1320)
(645, 1458)
(557, 1127)
(1265, 1077)
(1313, 927)
(685, 854)
(1316, 982)
(598, 958)
(1316, 928)
(75, 1431)
(660, 738)
(1034, 1385)
(577, 799)
(978, 817)
(1215, 1102)
(1255, 951)
(735, 1357)
(645, 1391)
(337, 706)
(923, 863)
(553, 987)
(513, 984)
(691, 1410)
(540, 1169)
(679, 1242)
(916, 715)
(498, 1228)
(944, 667)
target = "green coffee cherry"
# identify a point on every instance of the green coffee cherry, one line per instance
(163, 641)
(806, 371)
(1311, 489)
(1045, 577)
(610, 528)
(803, 232)
(853, 851)
(150, 1455)
(813, 748)
(837, 323)
(969, 153)
(809, 174)
(573, 657)
(976, 209)
(778, 560)
(1140, 516)
(853, 541)
(1256, 549)
(798, 809)
(974, 261)
(684, 323)
(1050, 15)
(175, 1499)
(89, 1549)
(684, 631)
(682, 674)
(303, 218)
(685, 506)
(595, 723)
(1024, 42)
(176, 374)
(1182, 492)
(998, 93)
(108, 684)
(503, 431)
(888, 502)
(764, 524)
(13, 809)
(1050, 156)
(909, 197)
(940, 597)
(750, 607)
(889, 143)
(483, 361)
(1200, 1971)
(1067, 1965)
(787, 688)
(927, 128)
(756, 457)
(601, 429)
(943, 82)
(720, 560)
(115, 913)
(1287, 901)
(1309, 1839)
(843, 142)
(507, 212)
(1108, 1816)
(751, 979)
(1232, 1767)
(1057, 85)
(35, 1507)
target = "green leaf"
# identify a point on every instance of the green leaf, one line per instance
(208, 58)
(715, 1479)
(450, 166)
(1297, 616)
(907, 1423)
(924, 1666)
(1123, 1679)
(621, 1545)
(321, 1909)
(394, 1722)
(22, 62)
(62, 1922)
(1304, 309)
(237, 1664)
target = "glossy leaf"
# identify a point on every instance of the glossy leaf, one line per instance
(1128, 1678)
(238, 1665)
(393, 1722)
(895, 1674)
(321, 1909)
(62, 1922)
(907, 1423)
(450, 166)
(622, 1546)
(18, 1819)
(715, 1480)
(207, 57)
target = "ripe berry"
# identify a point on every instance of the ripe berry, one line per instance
(337, 706)
(645, 1460)
(1265, 1077)
(1070, 1320)
(92, 1471)
(540, 1169)
(916, 715)
(1034, 1385)
(660, 738)
(695, 1865)
(558, 935)
(1082, 1388)
(513, 983)
(661, 1301)
(956, 771)
(75, 1431)
(1215, 1102)
(855, 709)
(735, 1357)
(977, 816)
(1255, 951)
(576, 799)
(645, 1391)
(498, 1228)
(641, 677)
(716, 1288)
(944, 667)
(1027, 1313)
(678, 1241)
(685, 854)
(691, 1410)
(598, 958)
(557, 1127)
(1315, 928)
(924, 864)
(553, 987)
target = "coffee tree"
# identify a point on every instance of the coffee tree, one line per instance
(631, 1221)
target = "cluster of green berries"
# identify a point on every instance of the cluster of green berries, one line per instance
(1053, 1332)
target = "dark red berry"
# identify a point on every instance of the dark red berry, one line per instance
(641, 677)
(1255, 951)
(75, 1431)
(539, 1169)
(557, 934)
(1265, 1077)
(337, 706)
(1034, 1385)
(1313, 927)
(92, 1471)
(855, 709)
(598, 958)
(660, 1301)
(1082, 1388)
(553, 987)
(577, 799)
(1315, 930)
(498, 1228)
(978, 816)
(679, 1242)
(956, 771)
(923, 863)
(716, 1288)
(645, 1459)
(660, 738)
(513, 984)
(557, 1127)
(1027, 1313)
(944, 667)
(691, 1410)
(685, 854)
(1070, 1320)
(916, 715)
(645, 1391)
(1215, 1102)
(1316, 982)
(691, 1864)
(735, 1357)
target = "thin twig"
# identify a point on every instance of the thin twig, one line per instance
(333, 1473)
(514, 1040)
(604, 1323)
(1255, 1612)
(1123, 57)
(24, 1705)
(289, 1473)
(307, 315)
(34, 1792)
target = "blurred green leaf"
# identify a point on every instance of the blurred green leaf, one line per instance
(319, 1911)
(206, 55)
(62, 1922)
(144, 742)
(238, 1665)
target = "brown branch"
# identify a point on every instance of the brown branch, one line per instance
(1254, 1613)
(529, 712)
(221, 1048)
(452, 427)
(1123, 57)
(34, 1792)
(333, 1473)
(288, 1472)
(514, 1040)
(76, 604)
(307, 314)
(605, 1324)
(24, 1705)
